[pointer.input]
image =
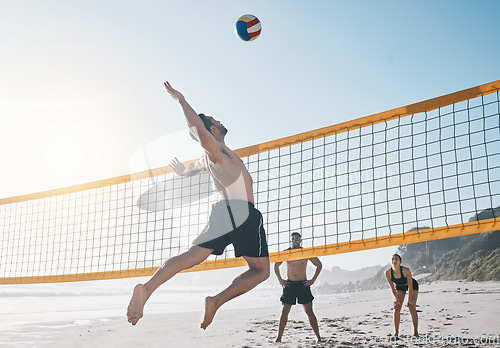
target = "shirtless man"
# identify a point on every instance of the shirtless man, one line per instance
(297, 287)
(233, 220)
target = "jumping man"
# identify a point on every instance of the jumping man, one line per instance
(233, 220)
(297, 287)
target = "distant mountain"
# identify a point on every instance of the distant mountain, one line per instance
(338, 280)
(336, 275)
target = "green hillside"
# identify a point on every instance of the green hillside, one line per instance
(473, 258)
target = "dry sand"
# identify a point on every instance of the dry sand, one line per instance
(451, 314)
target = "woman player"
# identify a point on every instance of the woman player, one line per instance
(399, 275)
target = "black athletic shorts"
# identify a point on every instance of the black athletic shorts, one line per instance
(405, 286)
(295, 292)
(234, 222)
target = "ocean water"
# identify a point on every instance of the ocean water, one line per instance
(77, 303)
(81, 302)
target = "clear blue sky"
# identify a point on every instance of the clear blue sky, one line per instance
(81, 91)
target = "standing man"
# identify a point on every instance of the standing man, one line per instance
(233, 220)
(297, 287)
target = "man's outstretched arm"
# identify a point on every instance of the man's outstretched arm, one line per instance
(194, 122)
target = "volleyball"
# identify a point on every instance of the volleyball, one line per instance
(248, 27)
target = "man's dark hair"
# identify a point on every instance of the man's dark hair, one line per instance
(296, 234)
(206, 121)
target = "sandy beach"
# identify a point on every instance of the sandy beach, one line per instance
(451, 314)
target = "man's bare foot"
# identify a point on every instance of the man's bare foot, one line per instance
(136, 304)
(210, 309)
(319, 340)
(278, 340)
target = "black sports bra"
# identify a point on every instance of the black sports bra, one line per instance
(399, 281)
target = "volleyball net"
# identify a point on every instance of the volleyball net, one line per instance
(412, 174)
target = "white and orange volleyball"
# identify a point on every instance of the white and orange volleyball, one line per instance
(248, 27)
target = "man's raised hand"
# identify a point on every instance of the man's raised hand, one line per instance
(175, 94)
(177, 166)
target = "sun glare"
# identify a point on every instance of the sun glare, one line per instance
(64, 155)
